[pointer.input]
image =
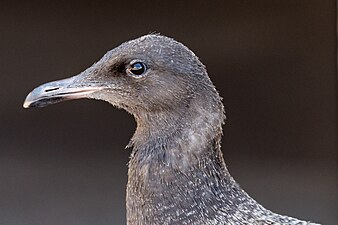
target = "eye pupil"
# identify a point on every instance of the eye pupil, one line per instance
(137, 68)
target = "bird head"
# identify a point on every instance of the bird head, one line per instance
(152, 72)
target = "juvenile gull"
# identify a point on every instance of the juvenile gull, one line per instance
(177, 174)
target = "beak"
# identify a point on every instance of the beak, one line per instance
(57, 91)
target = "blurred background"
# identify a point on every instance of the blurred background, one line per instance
(272, 61)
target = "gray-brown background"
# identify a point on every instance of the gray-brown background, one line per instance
(272, 61)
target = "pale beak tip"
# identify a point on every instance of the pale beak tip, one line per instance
(27, 103)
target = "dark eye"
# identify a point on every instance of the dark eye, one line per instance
(137, 69)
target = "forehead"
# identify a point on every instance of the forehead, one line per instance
(151, 47)
(152, 44)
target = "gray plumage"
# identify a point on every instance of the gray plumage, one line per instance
(177, 174)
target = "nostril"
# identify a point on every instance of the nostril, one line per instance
(51, 89)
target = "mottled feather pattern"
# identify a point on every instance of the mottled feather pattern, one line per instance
(177, 174)
(181, 178)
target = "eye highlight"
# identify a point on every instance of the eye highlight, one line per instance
(137, 69)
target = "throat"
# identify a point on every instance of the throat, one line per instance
(176, 169)
(179, 140)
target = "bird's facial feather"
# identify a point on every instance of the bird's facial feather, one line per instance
(149, 73)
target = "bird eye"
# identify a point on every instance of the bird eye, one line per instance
(137, 69)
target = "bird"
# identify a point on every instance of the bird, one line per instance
(176, 172)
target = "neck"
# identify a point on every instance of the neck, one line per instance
(182, 137)
(177, 174)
